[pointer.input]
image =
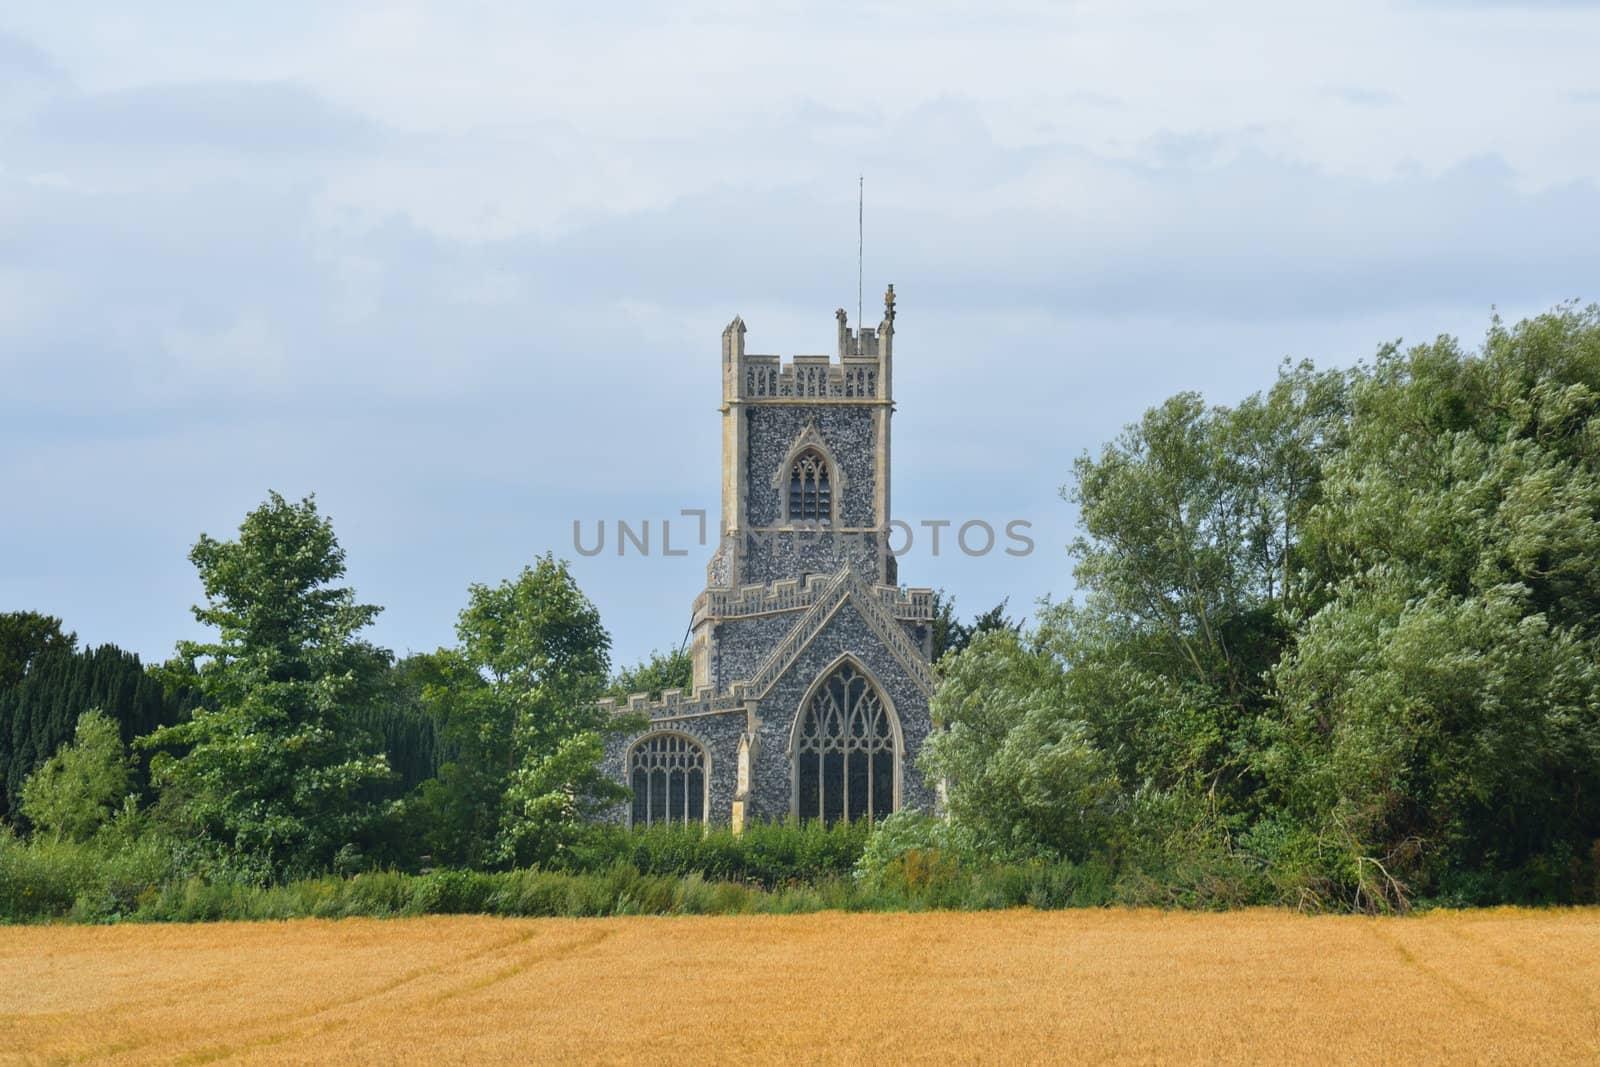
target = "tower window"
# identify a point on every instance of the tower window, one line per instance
(810, 492)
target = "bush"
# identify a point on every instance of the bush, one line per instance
(93, 881)
(910, 862)
(906, 833)
(451, 892)
(766, 854)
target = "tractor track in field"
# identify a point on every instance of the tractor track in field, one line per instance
(285, 1026)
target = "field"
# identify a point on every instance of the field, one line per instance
(1497, 986)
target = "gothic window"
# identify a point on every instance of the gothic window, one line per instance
(668, 775)
(845, 751)
(810, 489)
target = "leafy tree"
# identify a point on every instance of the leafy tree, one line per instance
(515, 707)
(25, 635)
(1023, 774)
(1346, 632)
(671, 670)
(458, 810)
(1191, 523)
(273, 764)
(78, 789)
(1441, 713)
(947, 629)
(993, 620)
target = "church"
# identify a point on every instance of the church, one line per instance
(811, 664)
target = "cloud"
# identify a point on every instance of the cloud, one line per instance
(242, 120)
(1506, 5)
(465, 276)
(1358, 96)
(28, 76)
(22, 61)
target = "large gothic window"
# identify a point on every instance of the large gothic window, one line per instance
(668, 775)
(810, 494)
(845, 751)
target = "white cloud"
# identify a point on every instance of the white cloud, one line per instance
(464, 268)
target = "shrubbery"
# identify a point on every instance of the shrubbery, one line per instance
(94, 881)
(766, 854)
(77, 882)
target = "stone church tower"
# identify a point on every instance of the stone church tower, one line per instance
(811, 672)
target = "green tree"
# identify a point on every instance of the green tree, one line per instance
(1440, 727)
(948, 633)
(458, 811)
(1023, 774)
(25, 635)
(517, 721)
(1346, 633)
(1188, 560)
(78, 789)
(399, 717)
(951, 635)
(273, 764)
(670, 670)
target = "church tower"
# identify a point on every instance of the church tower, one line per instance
(811, 672)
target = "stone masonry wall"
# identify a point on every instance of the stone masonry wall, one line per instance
(771, 785)
(848, 432)
(717, 734)
(775, 555)
(741, 644)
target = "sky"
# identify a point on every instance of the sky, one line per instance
(461, 269)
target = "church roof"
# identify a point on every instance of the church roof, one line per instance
(846, 586)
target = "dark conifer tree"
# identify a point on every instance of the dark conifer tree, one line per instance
(40, 712)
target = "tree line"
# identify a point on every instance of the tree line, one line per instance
(1334, 646)
(1338, 643)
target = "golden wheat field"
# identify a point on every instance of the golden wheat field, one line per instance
(1022, 986)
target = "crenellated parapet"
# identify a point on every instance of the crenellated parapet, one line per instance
(792, 594)
(677, 704)
(859, 371)
(809, 378)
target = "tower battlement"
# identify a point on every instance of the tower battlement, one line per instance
(793, 594)
(859, 371)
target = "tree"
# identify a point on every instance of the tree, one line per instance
(78, 789)
(671, 670)
(1440, 722)
(40, 713)
(1022, 772)
(458, 810)
(1191, 537)
(273, 764)
(947, 629)
(25, 635)
(399, 717)
(951, 635)
(517, 721)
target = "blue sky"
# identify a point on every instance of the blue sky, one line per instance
(461, 269)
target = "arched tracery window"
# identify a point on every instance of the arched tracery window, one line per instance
(845, 751)
(668, 775)
(810, 491)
